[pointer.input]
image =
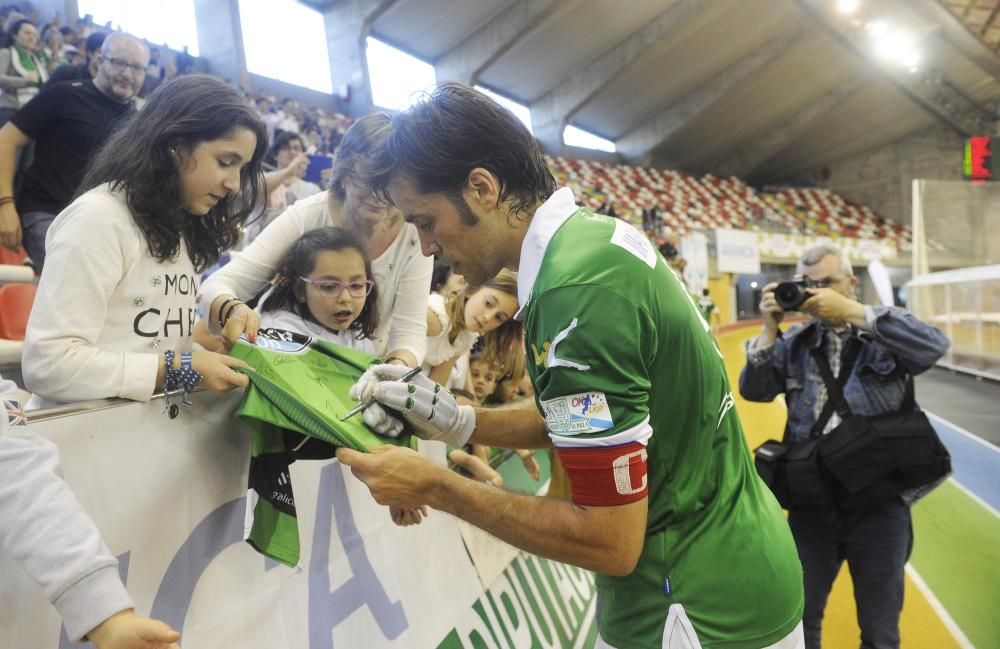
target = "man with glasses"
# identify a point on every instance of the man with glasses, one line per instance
(894, 346)
(67, 122)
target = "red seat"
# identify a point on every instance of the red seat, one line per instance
(12, 258)
(15, 307)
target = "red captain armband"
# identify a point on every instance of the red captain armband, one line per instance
(604, 476)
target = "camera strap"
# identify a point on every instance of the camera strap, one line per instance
(834, 387)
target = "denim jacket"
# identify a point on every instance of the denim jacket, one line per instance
(897, 346)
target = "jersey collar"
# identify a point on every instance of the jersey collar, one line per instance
(547, 219)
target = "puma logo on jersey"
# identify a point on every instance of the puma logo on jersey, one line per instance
(554, 361)
(724, 407)
(547, 356)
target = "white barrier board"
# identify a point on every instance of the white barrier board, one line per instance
(168, 497)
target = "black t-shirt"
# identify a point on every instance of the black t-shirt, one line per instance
(69, 73)
(68, 122)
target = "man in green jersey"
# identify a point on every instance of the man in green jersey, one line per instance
(690, 548)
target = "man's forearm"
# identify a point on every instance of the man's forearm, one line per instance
(8, 160)
(608, 540)
(519, 425)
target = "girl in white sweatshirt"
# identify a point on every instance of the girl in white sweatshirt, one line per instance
(160, 202)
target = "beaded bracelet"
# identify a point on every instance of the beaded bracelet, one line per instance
(185, 377)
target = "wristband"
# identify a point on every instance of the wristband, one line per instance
(229, 312)
(222, 308)
(184, 378)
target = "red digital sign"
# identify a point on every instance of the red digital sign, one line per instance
(978, 158)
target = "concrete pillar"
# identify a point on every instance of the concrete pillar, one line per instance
(220, 39)
(348, 24)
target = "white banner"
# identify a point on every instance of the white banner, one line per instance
(694, 249)
(737, 252)
(789, 247)
(168, 497)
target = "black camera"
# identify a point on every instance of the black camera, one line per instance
(792, 293)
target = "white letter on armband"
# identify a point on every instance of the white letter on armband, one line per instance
(623, 480)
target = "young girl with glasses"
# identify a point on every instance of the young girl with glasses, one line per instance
(325, 290)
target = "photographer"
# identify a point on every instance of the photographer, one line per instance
(893, 346)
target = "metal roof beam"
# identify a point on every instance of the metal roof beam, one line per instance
(743, 161)
(656, 130)
(551, 113)
(467, 61)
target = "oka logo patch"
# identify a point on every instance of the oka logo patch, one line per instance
(586, 412)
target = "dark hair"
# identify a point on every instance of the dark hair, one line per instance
(282, 141)
(18, 24)
(94, 42)
(364, 137)
(436, 144)
(439, 275)
(300, 261)
(138, 159)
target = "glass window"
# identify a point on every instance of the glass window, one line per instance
(520, 111)
(574, 136)
(161, 22)
(285, 40)
(397, 78)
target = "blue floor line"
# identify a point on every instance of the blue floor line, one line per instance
(975, 463)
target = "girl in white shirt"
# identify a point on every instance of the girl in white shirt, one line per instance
(402, 273)
(325, 290)
(484, 313)
(160, 202)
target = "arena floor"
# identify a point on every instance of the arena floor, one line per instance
(953, 580)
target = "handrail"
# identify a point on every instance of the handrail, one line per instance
(94, 405)
(10, 274)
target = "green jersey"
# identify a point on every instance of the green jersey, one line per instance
(297, 394)
(627, 374)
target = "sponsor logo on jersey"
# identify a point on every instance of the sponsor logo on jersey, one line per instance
(279, 340)
(587, 412)
(540, 356)
(633, 241)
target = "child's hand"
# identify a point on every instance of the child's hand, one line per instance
(406, 517)
(242, 320)
(217, 371)
(126, 630)
(530, 464)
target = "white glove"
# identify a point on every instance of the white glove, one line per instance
(374, 415)
(427, 407)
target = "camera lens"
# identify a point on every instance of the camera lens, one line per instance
(789, 295)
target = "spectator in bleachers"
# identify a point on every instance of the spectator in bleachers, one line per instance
(287, 118)
(67, 122)
(22, 70)
(160, 202)
(85, 70)
(52, 52)
(285, 185)
(47, 532)
(402, 274)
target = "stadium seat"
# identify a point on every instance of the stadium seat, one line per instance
(15, 307)
(12, 258)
